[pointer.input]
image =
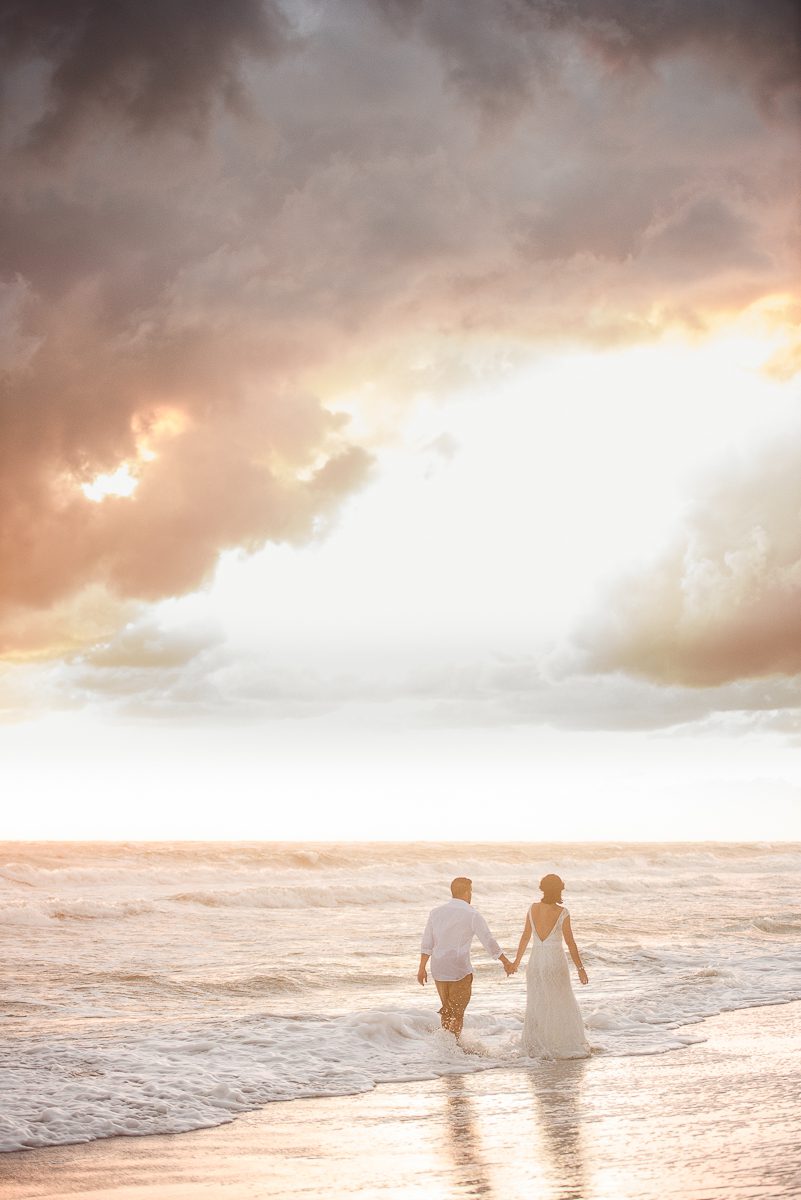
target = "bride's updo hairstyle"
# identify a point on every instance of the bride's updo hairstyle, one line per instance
(551, 886)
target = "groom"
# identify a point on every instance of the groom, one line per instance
(446, 941)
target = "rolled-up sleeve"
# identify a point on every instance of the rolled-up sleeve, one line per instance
(482, 932)
(427, 943)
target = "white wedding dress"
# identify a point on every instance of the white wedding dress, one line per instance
(553, 1027)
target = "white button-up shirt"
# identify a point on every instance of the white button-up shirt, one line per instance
(448, 933)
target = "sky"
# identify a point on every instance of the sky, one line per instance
(399, 430)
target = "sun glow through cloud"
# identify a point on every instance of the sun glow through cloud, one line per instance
(118, 483)
(150, 429)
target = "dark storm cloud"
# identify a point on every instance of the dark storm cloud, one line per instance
(211, 210)
(152, 62)
(761, 38)
(495, 51)
(103, 341)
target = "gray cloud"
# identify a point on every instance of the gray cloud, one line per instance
(495, 51)
(146, 645)
(149, 63)
(188, 674)
(724, 602)
(211, 206)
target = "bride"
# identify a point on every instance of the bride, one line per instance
(553, 1027)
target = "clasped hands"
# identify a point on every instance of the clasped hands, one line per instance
(509, 967)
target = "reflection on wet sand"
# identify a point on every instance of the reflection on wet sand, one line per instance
(557, 1093)
(551, 1153)
(464, 1140)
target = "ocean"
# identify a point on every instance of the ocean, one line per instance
(162, 987)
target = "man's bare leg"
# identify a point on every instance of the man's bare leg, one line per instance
(459, 994)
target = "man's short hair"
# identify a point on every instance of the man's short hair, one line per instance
(462, 884)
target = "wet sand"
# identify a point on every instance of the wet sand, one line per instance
(721, 1120)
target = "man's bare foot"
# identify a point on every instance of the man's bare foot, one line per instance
(466, 1046)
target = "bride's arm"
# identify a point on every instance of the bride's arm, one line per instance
(524, 941)
(573, 948)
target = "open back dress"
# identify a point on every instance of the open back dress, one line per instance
(553, 1027)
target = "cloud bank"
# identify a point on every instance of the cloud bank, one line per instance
(213, 215)
(187, 673)
(724, 602)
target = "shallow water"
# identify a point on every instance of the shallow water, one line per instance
(161, 988)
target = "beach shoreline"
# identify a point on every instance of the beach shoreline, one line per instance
(629, 1128)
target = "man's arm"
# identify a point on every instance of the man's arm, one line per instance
(426, 948)
(482, 931)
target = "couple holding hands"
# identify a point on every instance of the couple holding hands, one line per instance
(553, 1026)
